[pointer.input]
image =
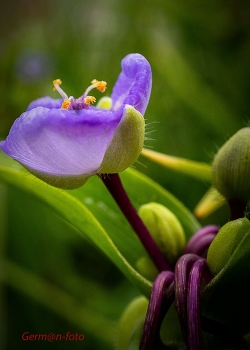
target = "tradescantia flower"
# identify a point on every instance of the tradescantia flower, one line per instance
(64, 142)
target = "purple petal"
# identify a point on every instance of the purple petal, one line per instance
(134, 83)
(61, 142)
(47, 102)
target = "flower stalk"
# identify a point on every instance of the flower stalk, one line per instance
(162, 296)
(201, 240)
(182, 270)
(195, 341)
(116, 189)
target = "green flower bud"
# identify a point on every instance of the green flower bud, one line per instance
(147, 268)
(165, 229)
(131, 323)
(231, 167)
(225, 243)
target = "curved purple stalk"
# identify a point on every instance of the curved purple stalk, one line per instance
(193, 305)
(200, 247)
(201, 240)
(116, 189)
(204, 231)
(182, 270)
(159, 303)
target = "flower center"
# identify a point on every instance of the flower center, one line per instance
(82, 102)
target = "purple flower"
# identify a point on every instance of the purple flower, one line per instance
(64, 142)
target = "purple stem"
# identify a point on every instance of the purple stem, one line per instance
(159, 304)
(195, 341)
(116, 189)
(182, 270)
(204, 231)
(202, 244)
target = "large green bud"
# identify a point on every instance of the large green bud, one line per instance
(231, 167)
(165, 229)
(225, 244)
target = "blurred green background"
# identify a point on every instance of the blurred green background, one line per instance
(200, 58)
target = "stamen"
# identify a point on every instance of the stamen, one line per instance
(89, 99)
(95, 84)
(57, 88)
(82, 102)
(99, 85)
(57, 82)
(65, 104)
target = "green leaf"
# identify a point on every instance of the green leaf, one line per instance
(74, 212)
(45, 246)
(92, 211)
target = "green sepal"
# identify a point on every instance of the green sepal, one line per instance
(126, 144)
(225, 243)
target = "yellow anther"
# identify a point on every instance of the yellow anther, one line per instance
(65, 104)
(99, 85)
(56, 82)
(89, 99)
(95, 84)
